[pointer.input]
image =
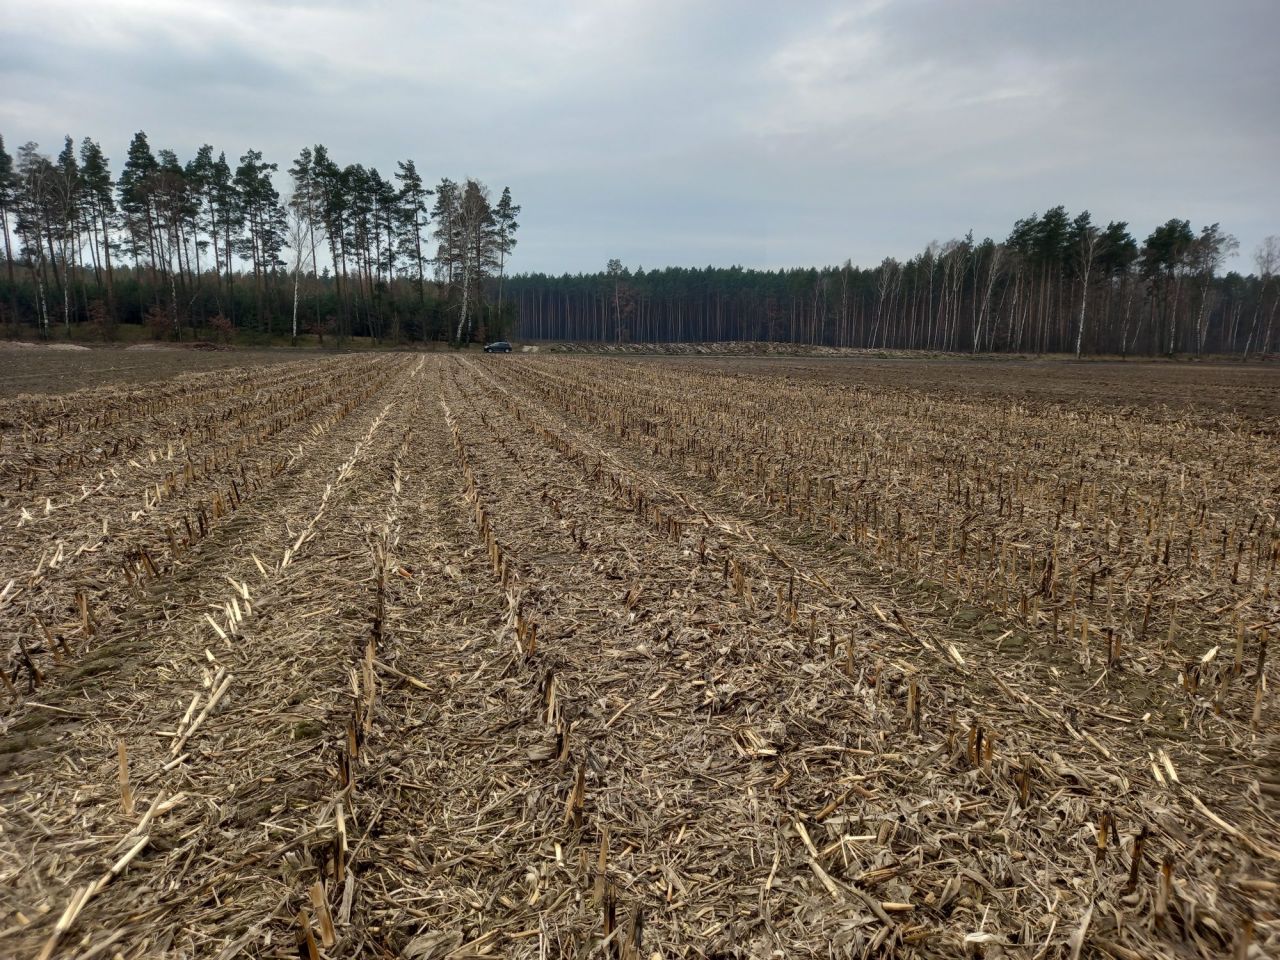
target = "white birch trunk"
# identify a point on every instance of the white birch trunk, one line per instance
(466, 294)
(1084, 301)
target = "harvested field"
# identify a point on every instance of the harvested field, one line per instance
(544, 656)
(60, 368)
(1249, 392)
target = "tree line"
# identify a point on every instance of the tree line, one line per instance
(208, 247)
(1056, 284)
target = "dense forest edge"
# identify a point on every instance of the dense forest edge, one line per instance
(1056, 285)
(210, 251)
(205, 250)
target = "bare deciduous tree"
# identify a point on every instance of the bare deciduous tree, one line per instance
(1267, 260)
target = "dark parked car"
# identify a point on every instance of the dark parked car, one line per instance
(500, 347)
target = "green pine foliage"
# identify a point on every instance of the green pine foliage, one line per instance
(210, 250)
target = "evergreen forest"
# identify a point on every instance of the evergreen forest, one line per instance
(1057, 284)
(208, 248)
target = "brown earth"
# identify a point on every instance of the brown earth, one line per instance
(30, 368)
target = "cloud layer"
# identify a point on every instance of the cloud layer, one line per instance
(714, 132)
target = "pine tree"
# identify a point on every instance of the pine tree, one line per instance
(614, 270)
(1205, 257)
(445, 216)
(1117, 252)
(137, 185)
(198, 173)
(505, 226)
(1164, 260)
(331, 187)
(385, 216)
(224, 197)
(358, 204)
(263, 225)
(412, 219)
(176, 207)
(101, 207)
(306, 199)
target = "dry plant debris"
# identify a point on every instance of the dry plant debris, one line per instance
(406, 656)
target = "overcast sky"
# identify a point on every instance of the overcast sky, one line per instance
(695, 133)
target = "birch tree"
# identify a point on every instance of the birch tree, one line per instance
(994, 254)
(36, 200)
(8, 195)
(65, 194)
(614, 272)
(1206, 257)
(303, 227)
(1084, 247)
(1267, 260)
(475, 233)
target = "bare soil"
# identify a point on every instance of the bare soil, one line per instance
(1250, 391)
(44, 370)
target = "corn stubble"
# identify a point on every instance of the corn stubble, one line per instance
(445, 657)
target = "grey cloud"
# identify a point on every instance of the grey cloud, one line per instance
(719, 132)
